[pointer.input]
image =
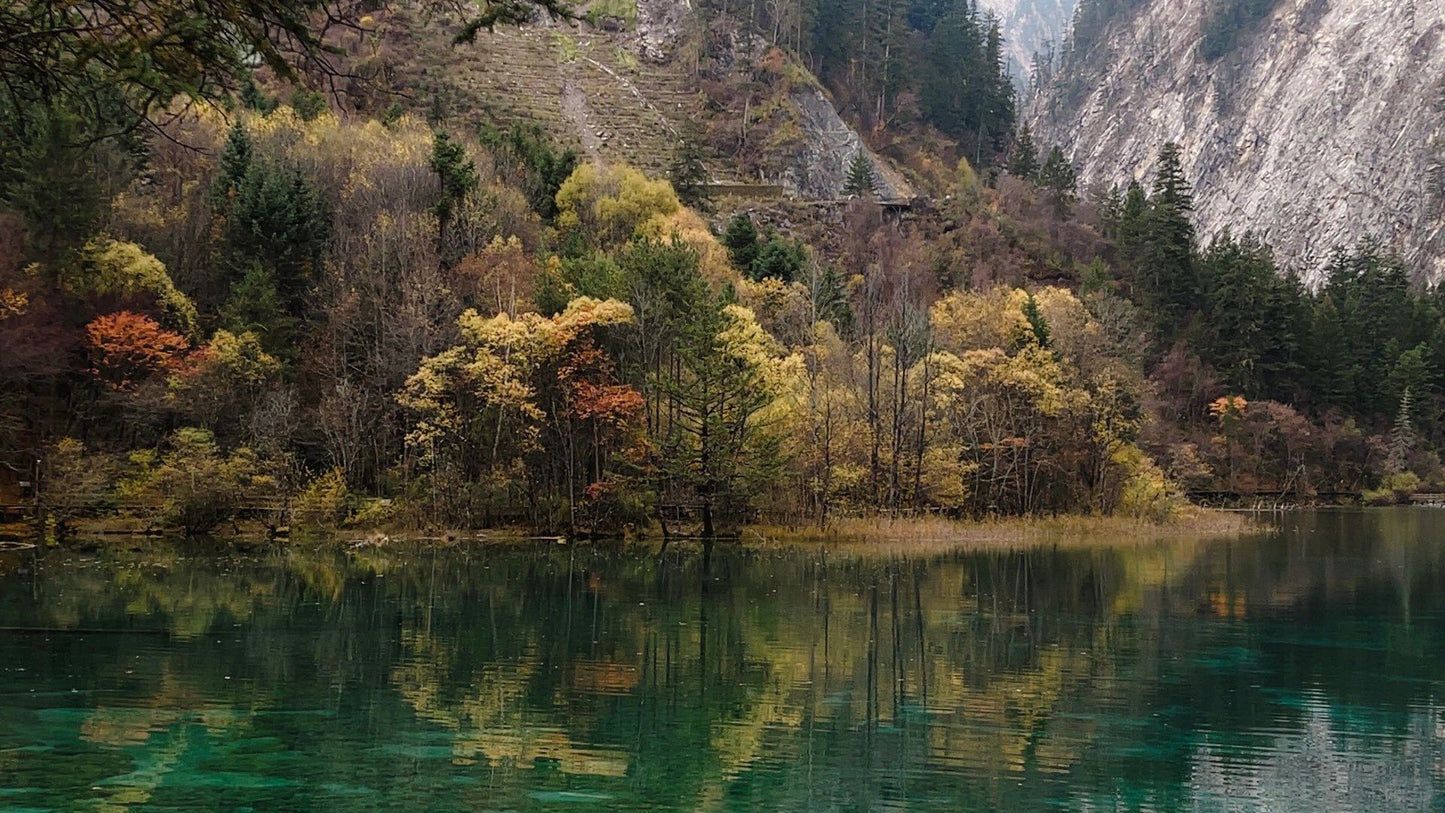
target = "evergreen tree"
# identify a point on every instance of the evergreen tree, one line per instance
(1111, 212)
(779, 259)
(1059, 178)
(255, 306)
(277, 220)
(860, 182)
(457, 177)
(741, 241)
(1251, 318)
(1038, 326)
(1133, 220)
(235, 164)
(1167, 258)
(1025, 161)
(688, 175)
(1403, 437)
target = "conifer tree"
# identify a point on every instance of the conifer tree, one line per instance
(1403, 437)
(235, 163)
(860, 182)
(1025, 163)
(741, 240)
(456, 173)
(1059, 178)
(1037, 324)
(1168, 255)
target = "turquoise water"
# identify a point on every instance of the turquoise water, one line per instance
(1301, 670)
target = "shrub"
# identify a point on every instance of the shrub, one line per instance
(76, 481)
(1147, 494)
(1395, 489)
(192, 486)
(324, 503)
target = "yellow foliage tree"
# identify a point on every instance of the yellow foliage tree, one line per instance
(610, 202)
(123, 271)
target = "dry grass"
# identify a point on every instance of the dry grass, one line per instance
(933, 533)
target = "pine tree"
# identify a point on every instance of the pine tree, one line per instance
(1037, 324)
(235, 164)
(1133, 214)
(457, 175)
(741, 240)
(1059, 178)
(1025, 163)
(1111, 212)
(688, 175)
(1168, 251)
(1403, 437)
(860, 182)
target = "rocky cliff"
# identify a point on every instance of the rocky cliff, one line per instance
(1322, 124)
(1029, 27)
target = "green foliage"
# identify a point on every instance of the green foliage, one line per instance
(1253, 319)
(1160, 245)
(308, 104)
(193, 485)
(741, 241)
(608, 204)
(779, 258)
(76, 481)
(456, 173)
(688, 175)
(1147, 493)
(277, 220)
(603, 12)
(325, 502)
(860, 182)
(1059, 178)
(236, 160)
(965, 88)
(255, 306)
(1024, 162)
(534, 163)
(510, 12)
(122, 273)
(1395, 489)
(565, 47)
(48, 180)
(253, 99)
(121, 62)
(1038, 325)
(711, 370)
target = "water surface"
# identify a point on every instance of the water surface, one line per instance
(1300, 670)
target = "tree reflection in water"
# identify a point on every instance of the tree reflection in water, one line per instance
(1299, 670)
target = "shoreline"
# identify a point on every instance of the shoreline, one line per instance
(1070, 529)
(920, 533)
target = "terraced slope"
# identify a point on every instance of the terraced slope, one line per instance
(583, 85)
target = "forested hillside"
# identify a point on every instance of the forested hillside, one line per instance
(224, 286)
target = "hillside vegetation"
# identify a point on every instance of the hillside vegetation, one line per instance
(383, 320)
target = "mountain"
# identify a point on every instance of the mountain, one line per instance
(1030, 27)
(1311, 122)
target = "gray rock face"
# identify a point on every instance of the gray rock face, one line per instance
(661, 24)
(1324, 125)
(819, 168)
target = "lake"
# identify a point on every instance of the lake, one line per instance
(1299, 669)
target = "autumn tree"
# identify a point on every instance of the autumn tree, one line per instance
(127, 347)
